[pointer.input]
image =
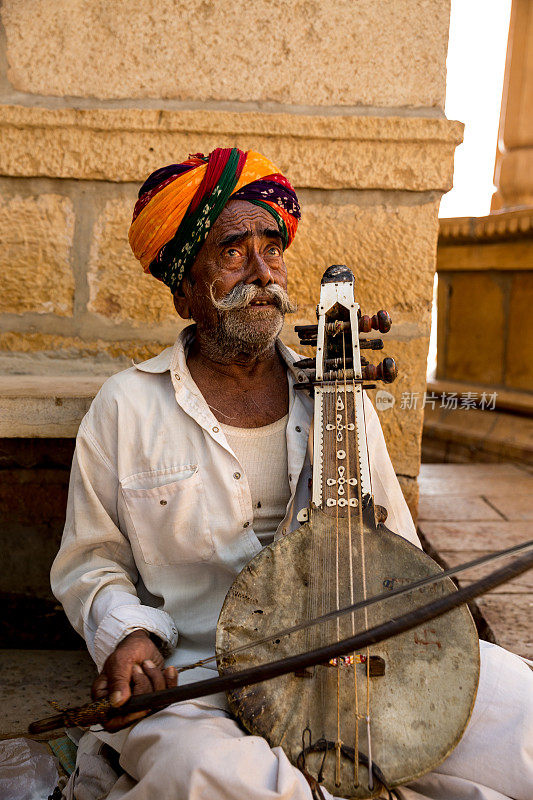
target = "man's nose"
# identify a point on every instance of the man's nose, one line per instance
(259, 271)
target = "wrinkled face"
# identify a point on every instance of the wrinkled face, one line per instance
(236, 290)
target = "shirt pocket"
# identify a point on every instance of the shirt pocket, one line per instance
(169, 518)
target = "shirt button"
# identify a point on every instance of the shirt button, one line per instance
(298, 429)
(245, 524)
(236, 475)
(215, 429)
(176, 376)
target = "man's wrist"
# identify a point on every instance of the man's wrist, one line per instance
(154, 638)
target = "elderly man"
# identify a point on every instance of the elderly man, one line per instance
(187, 465)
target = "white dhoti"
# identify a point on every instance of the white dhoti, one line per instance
(195, 751)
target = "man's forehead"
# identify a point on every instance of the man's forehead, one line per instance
(239, 216)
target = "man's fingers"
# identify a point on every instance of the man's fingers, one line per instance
(171, 677)
(145, 679)
(119, 673)
(99, 689)
(156, 676)
(141, 683)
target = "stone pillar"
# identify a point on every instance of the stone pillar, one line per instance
(485, 269)
(347, 99)
(513, 174)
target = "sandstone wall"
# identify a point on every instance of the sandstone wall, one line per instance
(347, 99)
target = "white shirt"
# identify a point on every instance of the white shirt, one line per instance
(158, 523)
(263, 455)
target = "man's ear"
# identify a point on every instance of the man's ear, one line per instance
(181, 302)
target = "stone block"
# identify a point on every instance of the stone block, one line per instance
(475, 325)
(36, 235)
(456, 509)
(119, 289)
(517, 507)
(328, 152)
(510, 619)
(302, 52)
(519, 350)
(481, 256)
(391, 251)
(470, 536)
(474, 479)
(73, 348)
(515, 184)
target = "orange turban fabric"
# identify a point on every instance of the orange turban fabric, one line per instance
(178, 204)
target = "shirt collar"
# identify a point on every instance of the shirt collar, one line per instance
(174, 359)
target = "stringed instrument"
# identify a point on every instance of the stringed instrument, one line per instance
(391, 712)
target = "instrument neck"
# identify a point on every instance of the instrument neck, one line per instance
(341, 469)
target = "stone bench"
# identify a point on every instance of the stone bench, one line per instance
(44, 406)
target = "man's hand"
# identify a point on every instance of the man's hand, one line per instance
(134, 668)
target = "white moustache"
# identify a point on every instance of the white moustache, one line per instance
(243, 295)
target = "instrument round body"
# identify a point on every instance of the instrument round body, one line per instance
(418, 707)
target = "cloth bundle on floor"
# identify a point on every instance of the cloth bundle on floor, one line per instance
(178, 204)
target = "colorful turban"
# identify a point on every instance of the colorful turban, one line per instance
(178, 204)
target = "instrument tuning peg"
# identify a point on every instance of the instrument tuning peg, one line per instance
(371, 344)
(386, 371)
(379, 322)
(305, 363)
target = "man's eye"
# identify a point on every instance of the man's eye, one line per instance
(232, 251)
(274, 250)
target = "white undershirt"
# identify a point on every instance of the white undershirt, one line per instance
(263, 456)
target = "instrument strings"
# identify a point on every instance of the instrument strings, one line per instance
(364, 587)
(344, 479)
(338, 742)
(350, 551)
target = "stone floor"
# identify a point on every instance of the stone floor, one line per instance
(468, 510)
(465, 511)
(32, 678)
